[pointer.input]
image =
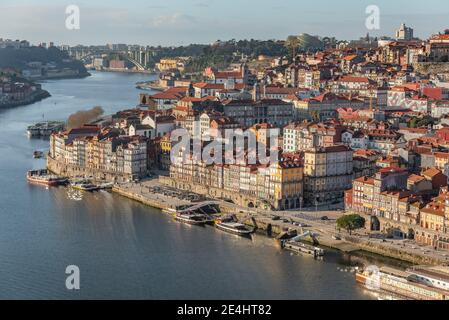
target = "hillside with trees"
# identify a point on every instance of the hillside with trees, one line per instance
(222, 53)
(19, 58)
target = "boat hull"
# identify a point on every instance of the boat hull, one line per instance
(43, 177)
(43, 182)
(304, 249)
(233, 231)
(190, 221)
(92, 189)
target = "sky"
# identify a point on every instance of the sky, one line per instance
(181, 22)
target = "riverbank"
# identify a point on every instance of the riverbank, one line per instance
(300, 221)
(125, 71)
(150, 85)
(64, 77)
(265, 224)
(33, 98)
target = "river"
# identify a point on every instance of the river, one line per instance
(125, 250)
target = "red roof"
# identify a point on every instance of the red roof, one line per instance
(204, 85)
(350, 58)
(392, 169)
(433, 93)
(440, 37)
(354, 79)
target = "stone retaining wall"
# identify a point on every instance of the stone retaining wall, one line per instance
(237, 198)
(71, 171)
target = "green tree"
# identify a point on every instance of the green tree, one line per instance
(351, 222)
(309, 43)
(425, 121)
(292, 44)
(413, 123)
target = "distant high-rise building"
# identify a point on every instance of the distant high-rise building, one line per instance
(404, 33)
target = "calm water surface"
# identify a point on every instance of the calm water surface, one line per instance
(123, 249)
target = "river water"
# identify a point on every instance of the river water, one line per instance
(125, 250)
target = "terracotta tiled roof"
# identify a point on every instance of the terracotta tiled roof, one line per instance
(350, 57)
(432, 172)
(365, 180)
(415, 178)
(354, 79)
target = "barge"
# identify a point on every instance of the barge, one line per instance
(299, 247)
(44, 177)
(417, 283)
(45, 129)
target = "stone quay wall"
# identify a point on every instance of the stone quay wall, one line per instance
(72, 171)
(237, 198)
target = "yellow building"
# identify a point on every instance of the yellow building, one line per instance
(432, 219)
(169, 64)
(441, 160)
(165, 144)
(286, 182)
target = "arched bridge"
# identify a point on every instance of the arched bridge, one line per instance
(85, 56)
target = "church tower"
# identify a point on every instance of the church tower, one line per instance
(190, 91)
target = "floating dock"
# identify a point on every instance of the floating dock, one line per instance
(45, 129)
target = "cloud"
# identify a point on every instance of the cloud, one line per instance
(201, 5)
(175, 20)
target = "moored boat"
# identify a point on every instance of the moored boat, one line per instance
(231, 226)
(38, 154)
(417, 283)
(106, 185)
(44, 177)
(44, 129)
(192, 218)
(84, 185)
(299, 247)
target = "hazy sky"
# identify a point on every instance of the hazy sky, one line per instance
(178, 22)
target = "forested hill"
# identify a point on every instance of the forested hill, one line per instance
(221, 54)
(18, 58)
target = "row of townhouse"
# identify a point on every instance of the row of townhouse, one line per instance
(103, 151)
(250, 112)
(351, 85)
(434, 222)
(304, 76)
(278, 185)
(382, 140)
(402, 200)
(305, 135)
(325, 106)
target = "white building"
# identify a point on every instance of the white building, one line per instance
(404, 33)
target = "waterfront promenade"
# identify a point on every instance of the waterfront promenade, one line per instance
(299, 220)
